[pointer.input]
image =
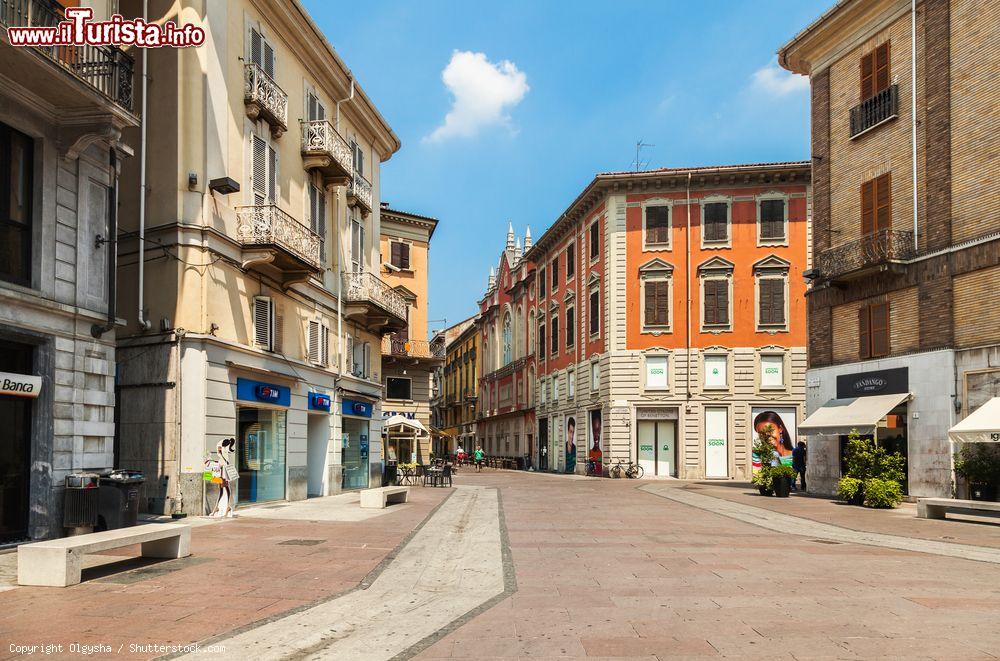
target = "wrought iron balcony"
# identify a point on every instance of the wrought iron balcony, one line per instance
(882, 251)
(359, 193)
(324, 149)
(878, 109)
(372, 303)
(263, 98)
(107, 69)
(400, 348)
(273, 239)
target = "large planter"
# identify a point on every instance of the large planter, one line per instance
(764, 491)
(982, 491)
(782, 486)
(858, 498)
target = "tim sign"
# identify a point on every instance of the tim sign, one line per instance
(20, 385)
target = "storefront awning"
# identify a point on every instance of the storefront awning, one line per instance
(440, 432)
(839, 416)
(983, 426)
(399, 424)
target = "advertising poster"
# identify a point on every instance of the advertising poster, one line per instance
(570, 443)
(595, 454)
(779, 422)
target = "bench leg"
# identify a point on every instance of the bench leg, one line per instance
(178, 546)
(925, 511)
(57, 568)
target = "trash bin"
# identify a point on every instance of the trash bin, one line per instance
(119, 499)
(390, 473)
(80, 504)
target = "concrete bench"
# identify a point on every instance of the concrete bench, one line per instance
(935, 508)
(380, 497)
(57, 562)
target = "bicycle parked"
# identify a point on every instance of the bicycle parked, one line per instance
(630, 470)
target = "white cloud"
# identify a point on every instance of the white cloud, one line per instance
(483, 93)
(778, 81)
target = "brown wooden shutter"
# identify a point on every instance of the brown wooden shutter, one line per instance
(777, 301)
(662, 303)
(595, 311)
(716, 219)
(570, 259)
(710, 304)
(880, 329)
(864, 333)
(883, 202)
(405, 255)
(595, 241)
(722, 301)
(394, 257)
(765, 304)
(570, 327)
(650, 303)
(868, 208)
(881, 66)
(657, 224)
(867, 76)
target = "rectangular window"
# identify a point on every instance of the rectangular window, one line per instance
(570, 260)
(16, 182)
(772, 371)
(555, 273)
(313, 341)
(875, 72)
(595, 241)
(772, 219)
(873, 330)
(543, 387)
(263, 323)
(262, 53)
(397, 388)
(541, 283)
(359, 158)
(400, 254)
(595, 375)
(570, 327)
(357, 246)
(876, 204)
(314, 108)
(555, 387)
(716, 303)
(716, 221)
(657, 225)
(656, 373)
(317, 216)
(595, 311)
(264, 171)
(571, 383)
(716, 371)
(771, 304)
(555, 335)
(657, 303)
(541, 341)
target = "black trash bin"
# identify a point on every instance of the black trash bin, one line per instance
(80, 505)
(120, 499)
(389, 477)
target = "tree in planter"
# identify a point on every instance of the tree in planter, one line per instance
(762, 447)
(979, 465)
(874, 477)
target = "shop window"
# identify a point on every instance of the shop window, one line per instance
(772, 371)
(716, 371)
(398, 388)
(657, 377)
(261, 454)
(16, 185)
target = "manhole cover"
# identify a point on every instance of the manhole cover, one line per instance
(825, 541)
(301, 542)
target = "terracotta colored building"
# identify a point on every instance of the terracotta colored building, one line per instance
(671, 318)
(507, 318)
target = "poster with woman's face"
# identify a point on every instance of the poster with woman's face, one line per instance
(595, 453)
(570, 443)
(779, 425)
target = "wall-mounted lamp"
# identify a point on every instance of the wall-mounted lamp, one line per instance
(224, 185)
(192, 180)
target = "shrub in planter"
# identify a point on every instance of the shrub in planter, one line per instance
(880, 493)
(851, 490)
(762, 480)
(762, 451)
(979, 465)
(782, 477)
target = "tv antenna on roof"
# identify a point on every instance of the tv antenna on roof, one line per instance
(638, 148)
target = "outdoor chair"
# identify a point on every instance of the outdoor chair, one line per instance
(445, 474)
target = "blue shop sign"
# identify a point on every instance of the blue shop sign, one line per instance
(266, 393)
(354, 407)
(319, 401)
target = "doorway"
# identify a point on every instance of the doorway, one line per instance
(317, 450)
(543, 444)
(261, 454)
(15, 447)
(657, 451)
(716, 441)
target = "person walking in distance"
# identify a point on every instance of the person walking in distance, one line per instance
(799, 462)
(479, 459)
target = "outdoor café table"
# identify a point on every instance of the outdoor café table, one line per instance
(406, 475)
(433, 475)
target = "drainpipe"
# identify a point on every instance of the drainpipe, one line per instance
(143, 322)
(347, 98)
(687, 280)
(913, 110)
(97, 330)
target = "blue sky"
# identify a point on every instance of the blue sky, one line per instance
(541, 95)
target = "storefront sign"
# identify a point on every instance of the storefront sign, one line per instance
(409, 415)
(880, 382)
(319, 401)
(655, 414)
(266, 393)
(20, 385)
(354, 407)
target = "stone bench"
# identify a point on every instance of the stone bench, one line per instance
(57, 562)
(380, 497)
(935, 508)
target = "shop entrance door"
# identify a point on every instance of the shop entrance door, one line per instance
(657, 443)
(15, 447)
(317, 450)
(646, 439)
(716, 441)
(354, 454)
(261, 454)
(543, 444)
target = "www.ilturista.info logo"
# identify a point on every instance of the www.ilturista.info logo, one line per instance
(78, 30)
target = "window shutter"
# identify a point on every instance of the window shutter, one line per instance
(570, 259)
(716, 220)
(867, 76)
(263, 322)
(278, 328)
(595, 241)
(864, 333)
(404, 255)
(258, 170)
(268, 59)
(394, 254)
(881, 66)
(570, 326)
(555, 334)
(555, 273)
(772, 219)
(778, 301)
(313, 342)
(658, 224)
(324, 345)
(650, 303)
(880, 329)
(367, 360)
(710, 303)
(868, 208)
(722, 301)
(349, 354)
(764, 305)
(256, 48)
(595, 311)
(321, 224)
(272, 174)
(883, 202)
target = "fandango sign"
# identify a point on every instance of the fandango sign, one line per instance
(20, 385)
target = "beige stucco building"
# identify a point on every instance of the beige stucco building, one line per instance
(250, 260)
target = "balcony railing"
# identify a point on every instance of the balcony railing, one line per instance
(267, 225)
(326, 149)
(366, 287)
(870, 113)
(875, 250)
(392, 346)
(360, 191)
(263, 98)
(107, 69)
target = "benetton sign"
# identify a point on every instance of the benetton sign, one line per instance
(879, 382)
(20, 385)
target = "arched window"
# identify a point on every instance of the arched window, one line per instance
(506, 339)
(531, 331)
(519, 332)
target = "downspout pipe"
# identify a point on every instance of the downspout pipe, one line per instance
(349, 97)
(143, 322)
(913, 112)
(97, 330)
(687, 279)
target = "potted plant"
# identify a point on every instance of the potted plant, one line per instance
(979, 465)
(762, 480)
(762, 449)
(850, 490)
(782, 477)
(874, 477)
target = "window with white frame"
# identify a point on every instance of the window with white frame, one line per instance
(655, 281)
(571, 383)
(317, 212)
(543, 386)
(772, 218)
(716, 280)
(656, 225)
(318, 342)
(772, 371)
(657, 373)
(263, 322)
(397, 387)
(716, 371)
(357, 245)
(314, 107)
(263, 171)
(716, 218)
(595, 375)
(262, 52)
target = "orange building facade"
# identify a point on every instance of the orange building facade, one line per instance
(677, 303)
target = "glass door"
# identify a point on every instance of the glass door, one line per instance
(354, 454)
(15, 447)
(261, 455)
(646, 437)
